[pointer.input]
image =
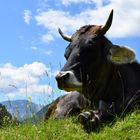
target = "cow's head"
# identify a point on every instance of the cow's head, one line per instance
(87, 51)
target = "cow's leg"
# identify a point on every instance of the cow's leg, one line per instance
(69, 104)
(91, 119)
(133, 102)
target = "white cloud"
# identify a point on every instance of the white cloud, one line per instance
(20, 81)
(50, 52)
(27, 16)
(125, 23)
(52, 19)
(34, 48)
(68, 2)
(47, 38)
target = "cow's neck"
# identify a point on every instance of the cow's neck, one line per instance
(101, 83)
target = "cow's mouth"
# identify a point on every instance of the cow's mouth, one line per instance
(69, 86)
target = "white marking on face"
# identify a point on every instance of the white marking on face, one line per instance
(72, 79)
(72, 82)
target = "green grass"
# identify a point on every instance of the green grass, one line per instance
(69, 129)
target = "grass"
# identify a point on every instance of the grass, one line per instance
(69, 129)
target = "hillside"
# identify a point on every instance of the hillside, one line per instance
(38, 117)
(69, 129)
(42, 111)
(21, 109)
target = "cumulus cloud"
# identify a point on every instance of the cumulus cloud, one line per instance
(27, 16)
(68, 2)
(20, 81)
(125, 24)
(47, 38)
(52, 19)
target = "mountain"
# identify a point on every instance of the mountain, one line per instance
(41, 113)
(39, 116)
(21, 109)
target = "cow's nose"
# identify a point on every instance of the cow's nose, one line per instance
(62, 76)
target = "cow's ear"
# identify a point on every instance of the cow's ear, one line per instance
(121, 54)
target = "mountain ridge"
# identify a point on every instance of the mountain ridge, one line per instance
(21, 109)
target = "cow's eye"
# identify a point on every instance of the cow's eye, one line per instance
(65, 56)
(91, 41)
(68, 52)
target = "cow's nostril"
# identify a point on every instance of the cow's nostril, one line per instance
(61, 77)
(65, 76)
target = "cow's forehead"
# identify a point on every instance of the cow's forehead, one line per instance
(87, 30)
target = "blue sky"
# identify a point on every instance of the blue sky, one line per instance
(31, 50)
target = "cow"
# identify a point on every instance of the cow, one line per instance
(104, 74)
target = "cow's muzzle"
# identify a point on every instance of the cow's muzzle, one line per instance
(67, 80)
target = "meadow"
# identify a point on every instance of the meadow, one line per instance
(127, 128)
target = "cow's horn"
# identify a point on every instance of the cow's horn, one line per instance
(66, 37)
(106, 27)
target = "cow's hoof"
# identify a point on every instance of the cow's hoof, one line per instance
(84, 117)
(90, 125)
(89, 120)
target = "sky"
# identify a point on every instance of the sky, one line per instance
(31, 50)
